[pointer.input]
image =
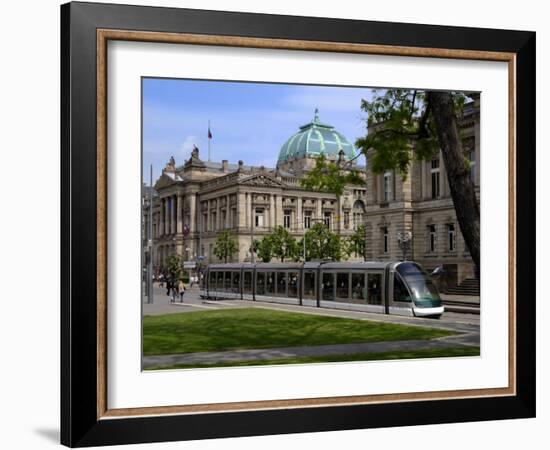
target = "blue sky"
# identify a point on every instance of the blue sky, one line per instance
(249, 121)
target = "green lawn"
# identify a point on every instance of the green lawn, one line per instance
(254, 328)
(431, 353)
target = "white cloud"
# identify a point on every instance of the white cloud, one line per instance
(187, 145)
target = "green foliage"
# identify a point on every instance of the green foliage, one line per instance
(321, 243)
(226, 246)
(175, 266)
(327, 176)
(357, 242)
(279, 244)
(264, 249)
(400, 128)
(284, 246)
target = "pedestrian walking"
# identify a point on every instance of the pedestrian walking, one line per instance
(181, 290)
(171, 288)
(161, 280)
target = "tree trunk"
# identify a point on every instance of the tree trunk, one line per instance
(462, 188)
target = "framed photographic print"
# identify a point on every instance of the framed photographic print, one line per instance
(278, 224)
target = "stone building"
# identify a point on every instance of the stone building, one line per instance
(199, 199)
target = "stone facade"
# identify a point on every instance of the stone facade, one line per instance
(196, 201)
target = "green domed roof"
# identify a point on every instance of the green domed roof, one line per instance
(314, 139)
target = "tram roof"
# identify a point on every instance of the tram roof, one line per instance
(307, 265)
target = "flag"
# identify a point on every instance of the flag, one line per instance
(209, 133)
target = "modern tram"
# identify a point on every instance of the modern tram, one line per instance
(402, 288)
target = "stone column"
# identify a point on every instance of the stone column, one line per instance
(174, 212)
(179, 229)
(249, 214)
(299, 223)
(160, 230)
(217, 225)
(279, 210)
(192, 215)
(271, 211)
(167, 216)
(319, 212)
(227, 211)
(241, 210)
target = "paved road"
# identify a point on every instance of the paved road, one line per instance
(465, 324)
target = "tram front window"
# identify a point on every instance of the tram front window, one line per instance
(421, 287)
(400, 291)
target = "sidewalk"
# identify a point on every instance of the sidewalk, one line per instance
(317, 350)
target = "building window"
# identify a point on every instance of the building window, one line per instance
(432, 238)
(326, 219)
(387, 187)
(472, 158)
(307, 219)
(259, 217)
(451, 237)
(213, 217)
(346, 220)
(205, 222)
(286, 218)
(435, 178)
(385, 240)
(223, 219)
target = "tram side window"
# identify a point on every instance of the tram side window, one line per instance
(212, 281)
(260, 283)
(227, 284)
(358, 286)
(270, 283)
(328, 286)
(281, 284)
(219, 281)
(400, 292)
(235, 285)
(342, 285)
(309, 285)
(247, 284)
(374, 288)
(293, 284)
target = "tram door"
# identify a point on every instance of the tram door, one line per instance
(400, 297)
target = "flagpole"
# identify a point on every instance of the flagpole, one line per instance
(209, 139)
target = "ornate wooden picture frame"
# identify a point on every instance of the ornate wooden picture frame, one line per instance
(86, 418)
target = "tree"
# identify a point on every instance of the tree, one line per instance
(410, 124)
(264, 248)
(328, 176)
(175, 266)
(226, 246)
(283, 245)
(321, 243)
(357, 242)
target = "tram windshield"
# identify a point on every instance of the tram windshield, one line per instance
(421, 287)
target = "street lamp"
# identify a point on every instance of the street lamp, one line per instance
(404, 240)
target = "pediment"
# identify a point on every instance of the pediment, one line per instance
(164, 181)
(262, 180)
